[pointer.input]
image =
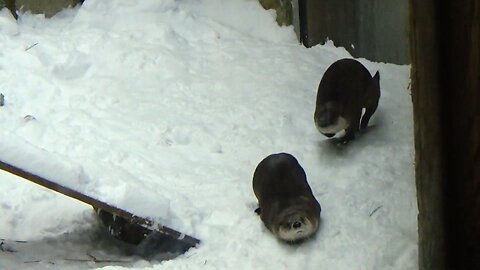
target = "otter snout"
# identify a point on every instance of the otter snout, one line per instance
(297, 229)
(297, 225)
(329, 126)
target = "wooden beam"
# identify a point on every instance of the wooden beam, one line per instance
(429, 149)
(460, 63)
(445, 75)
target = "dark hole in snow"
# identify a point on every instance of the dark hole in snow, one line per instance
(149, 244)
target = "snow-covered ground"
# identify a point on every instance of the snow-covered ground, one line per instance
(165, 108)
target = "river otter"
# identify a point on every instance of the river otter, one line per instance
(344, 90)
(286, 204)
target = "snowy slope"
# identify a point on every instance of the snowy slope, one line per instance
(167, 107)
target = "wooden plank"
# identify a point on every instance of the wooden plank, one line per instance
(460, 78)
(429, 147)
(445, 42)
(148, 223)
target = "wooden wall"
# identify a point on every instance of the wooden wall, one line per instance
(461, 78)
(446, 97)
(372, 29)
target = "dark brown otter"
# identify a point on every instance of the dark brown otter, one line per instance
(345, 89)
(286, 203)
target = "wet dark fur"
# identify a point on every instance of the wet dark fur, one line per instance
(280, 185)
(349, 86)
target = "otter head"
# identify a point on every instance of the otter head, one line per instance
(295, 223)
(328, 118)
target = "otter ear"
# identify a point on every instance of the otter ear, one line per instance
(258, 211)
(377, 76)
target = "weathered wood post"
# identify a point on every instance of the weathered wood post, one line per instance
(445, 44)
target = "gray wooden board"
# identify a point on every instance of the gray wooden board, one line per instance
(184, 239)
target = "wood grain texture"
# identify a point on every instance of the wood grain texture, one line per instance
(445, 77)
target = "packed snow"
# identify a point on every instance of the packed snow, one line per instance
(165, 108)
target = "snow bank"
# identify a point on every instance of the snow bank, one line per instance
(168, 106)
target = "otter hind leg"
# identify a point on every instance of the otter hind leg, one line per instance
(373, 94)
(366, 117)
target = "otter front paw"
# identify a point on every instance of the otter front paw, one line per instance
(346, 139)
